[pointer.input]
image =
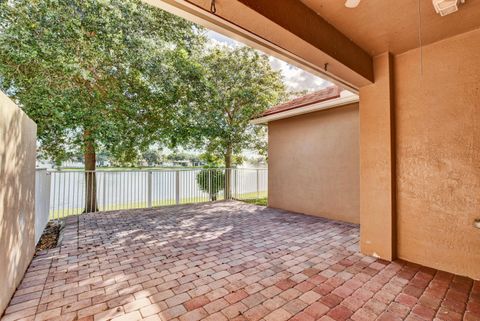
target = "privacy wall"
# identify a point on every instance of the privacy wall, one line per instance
(437, 120)
(17, 196)
(313, 163)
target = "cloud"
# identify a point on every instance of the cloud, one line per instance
(295, 78)
(218, 39)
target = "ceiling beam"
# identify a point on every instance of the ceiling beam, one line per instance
(351, 68)
(305, 23)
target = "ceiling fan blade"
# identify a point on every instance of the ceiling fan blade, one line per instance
(352, 3)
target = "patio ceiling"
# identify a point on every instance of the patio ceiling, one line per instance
(312, 33)
(295, 34)
(379, 26)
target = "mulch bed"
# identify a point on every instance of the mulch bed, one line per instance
(49, 237)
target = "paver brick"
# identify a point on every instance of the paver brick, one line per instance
(234, 310)
(303, 316)
(232, 261)
(136, 305)
(109, 314)
(21, 306)
(49, 314)
(236, 296)
(196, 303)
(295, 306)
(310, 297)
(152, 309)
(317, 309)
(177, 299)
(216, 305)
(340, 313)
(278, 315)
(92, 310)
(217, 293)
(216, 317)
(132, 316)
(256, 313)
(28, 313)
(194, 315)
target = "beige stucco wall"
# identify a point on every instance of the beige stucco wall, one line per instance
(377, 187)
(313, 164)
(17, 196)
(438, 154)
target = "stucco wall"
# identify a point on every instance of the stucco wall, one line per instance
(437, 114)
(17, 196)
(377, 188)
(313, 164)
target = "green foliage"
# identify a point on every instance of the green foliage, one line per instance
(240, 84)
(211, 181)
(211, 160)
(153, 157)
(260, 201)
(106, 73)
(182, 156)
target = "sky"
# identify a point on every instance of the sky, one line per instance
(295, 78)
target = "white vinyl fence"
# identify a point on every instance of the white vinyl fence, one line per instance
(42, 201)
(115, 190)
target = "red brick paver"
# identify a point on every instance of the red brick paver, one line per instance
(228, 261)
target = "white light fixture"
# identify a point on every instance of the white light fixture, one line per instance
(445, 7)
(352, 3)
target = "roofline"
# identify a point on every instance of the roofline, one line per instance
(297, 106)
(332, 103)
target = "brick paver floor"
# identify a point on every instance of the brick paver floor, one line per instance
(229, 261)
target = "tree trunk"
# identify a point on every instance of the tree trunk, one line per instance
(228, 174)
(90, 176)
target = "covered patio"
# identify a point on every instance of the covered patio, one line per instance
(228, 261)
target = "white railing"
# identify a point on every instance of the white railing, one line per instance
(42, 201)
(75, 192)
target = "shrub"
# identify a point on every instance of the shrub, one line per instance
(211, 181)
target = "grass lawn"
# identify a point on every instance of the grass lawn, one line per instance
(261, 201)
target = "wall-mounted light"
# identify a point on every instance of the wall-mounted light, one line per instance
(476, 223)
(352, 3)
(444, 7)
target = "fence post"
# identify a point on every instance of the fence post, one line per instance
(42, 201)
(235, 191)
(149, 189)
(258, 184)
(48, 187)
(228, 183)
(104, 191)
(177, 187)
(210, 185)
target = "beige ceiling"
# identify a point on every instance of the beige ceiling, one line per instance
(393, 25)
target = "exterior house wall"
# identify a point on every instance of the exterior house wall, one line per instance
(314, 164)
(17, 196)
(437, 120)
(377, 188)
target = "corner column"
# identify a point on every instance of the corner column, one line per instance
(377, 163)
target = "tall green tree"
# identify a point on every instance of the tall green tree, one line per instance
(97, 75)
(240, 84)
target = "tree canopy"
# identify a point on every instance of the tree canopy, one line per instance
(240, 84)
(98, 74)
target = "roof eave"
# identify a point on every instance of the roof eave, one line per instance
(332, 103)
